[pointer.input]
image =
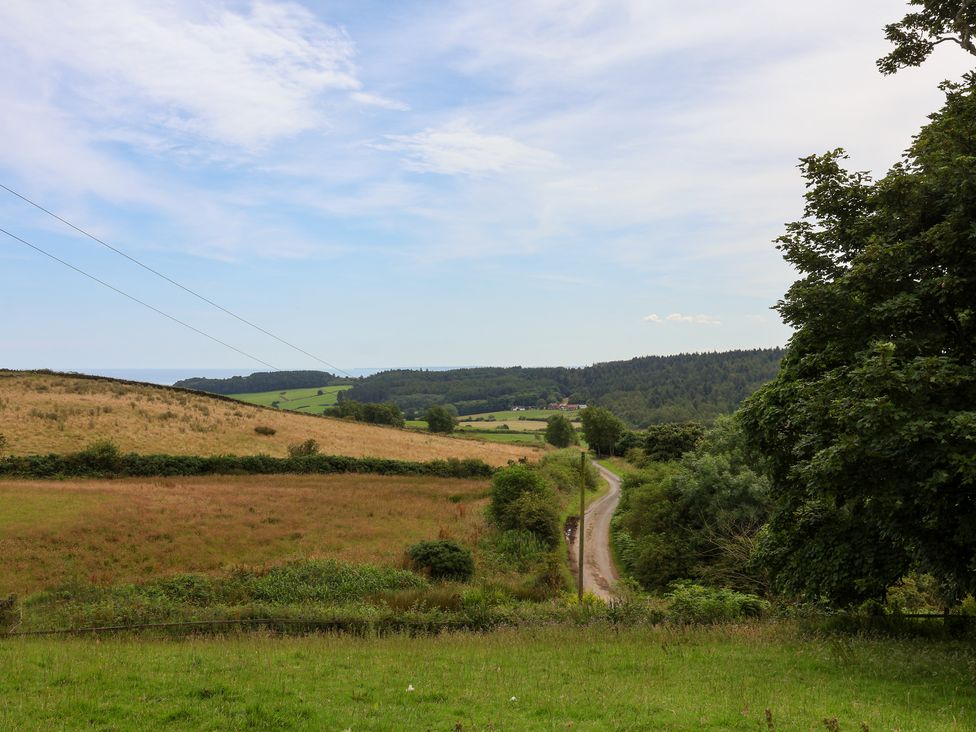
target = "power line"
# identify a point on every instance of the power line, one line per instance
(172, 281)
(136, 299)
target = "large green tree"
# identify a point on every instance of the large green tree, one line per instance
(559, 431)
(868, 434)
(935, 22)
(439, 419)
(601, 429)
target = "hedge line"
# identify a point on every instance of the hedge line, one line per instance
(88, 465)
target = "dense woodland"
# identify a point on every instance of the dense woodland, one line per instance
(262, 381)
(642, 391)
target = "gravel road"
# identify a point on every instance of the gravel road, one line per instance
(599, 572)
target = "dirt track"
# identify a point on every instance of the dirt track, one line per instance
(599, 572)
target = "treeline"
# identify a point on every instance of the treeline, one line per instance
(103, 460)
(388, 413)
(642, 391)
(263, 381)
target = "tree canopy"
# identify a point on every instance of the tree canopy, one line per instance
(601, 429)
(868, 434)
(559, 432)
(936, 22)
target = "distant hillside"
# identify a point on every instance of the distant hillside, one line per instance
(645, 390)
(43, 412)
(262, 381)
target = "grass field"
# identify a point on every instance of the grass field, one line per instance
(107, 532)
(511, 438)
(309, 401)
(589, 678)
(540, 415)
(42, 413)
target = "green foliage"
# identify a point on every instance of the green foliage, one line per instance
(522, 500)
(560, 431)
(262, 429)
(601, 429)
(537, 513)
(100, 456)
(442, 560)
(562, 471)
(304, 449)
(672, 440)
(262, 381)
(691, 603)
(507, 485)
(439, 419)
(642, 391)
(869, 431)
(386, 413)
(101, 464)
(917, 34)
(696, 518)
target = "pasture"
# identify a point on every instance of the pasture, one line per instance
(551, 678)
(538, 415)
(114, 531)
(308, 401)
(44, 413)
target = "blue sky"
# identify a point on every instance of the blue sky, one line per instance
(536, 183)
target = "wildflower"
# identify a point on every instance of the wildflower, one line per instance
(409, 687)
(514, 698)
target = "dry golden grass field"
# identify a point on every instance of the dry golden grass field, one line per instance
(109, 531)
(41, 413)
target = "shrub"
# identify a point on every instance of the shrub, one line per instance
(691, 603)
(439, 419)
(442, 560)
(101, 455)
(508, 484)
(265, 430)
(304, 449)
(538, 514)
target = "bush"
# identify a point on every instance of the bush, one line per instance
(304, 449)
(439, 419)
(538, 514)
(692, 603)
(265, 430)
(560, 431)
(442, 560)
(508, 484)
(101, 455)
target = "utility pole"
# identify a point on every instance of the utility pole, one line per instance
(582, 517)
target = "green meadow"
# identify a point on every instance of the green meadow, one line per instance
(313, 400)
(553, 678)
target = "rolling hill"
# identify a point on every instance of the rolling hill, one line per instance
(43, 412)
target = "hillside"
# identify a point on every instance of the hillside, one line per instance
(646, 390)
(45, 412)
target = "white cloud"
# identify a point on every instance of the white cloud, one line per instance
(198, 71)
(375, 100)
(653, 318)
(694, 319)
(458, 149)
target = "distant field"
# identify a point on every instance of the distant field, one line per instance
(309, 401)
(535, 414)
(107, 532)
(511, 438)
(560, 678)
(41, 413)
(519, 425)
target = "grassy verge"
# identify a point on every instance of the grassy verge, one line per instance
(529, 679)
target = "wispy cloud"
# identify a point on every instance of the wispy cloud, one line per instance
(459, 149)
(679, 318)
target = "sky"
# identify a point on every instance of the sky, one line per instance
(547, 182)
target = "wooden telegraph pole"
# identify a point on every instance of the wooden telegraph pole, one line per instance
(581, 520)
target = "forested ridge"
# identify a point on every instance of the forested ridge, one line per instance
(262, 381)
(642, 391)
